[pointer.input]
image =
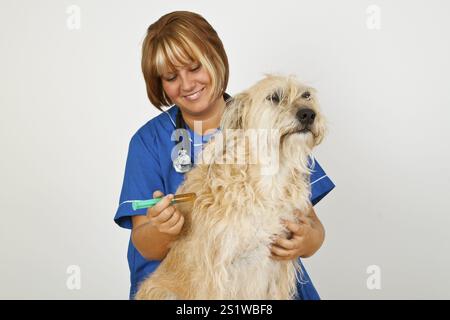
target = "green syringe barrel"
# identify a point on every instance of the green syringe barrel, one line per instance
(141, 204)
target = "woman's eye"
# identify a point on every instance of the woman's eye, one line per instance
(170, 78)
(195, 68)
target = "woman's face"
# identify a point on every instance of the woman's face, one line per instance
(189, 87)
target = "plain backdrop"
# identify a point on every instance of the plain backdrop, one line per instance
(71, 99)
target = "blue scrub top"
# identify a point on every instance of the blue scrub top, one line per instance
(149, 168)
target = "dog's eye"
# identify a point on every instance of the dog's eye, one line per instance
(306, 95)
(275, 97)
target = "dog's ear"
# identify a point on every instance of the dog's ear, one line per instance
(234, 112)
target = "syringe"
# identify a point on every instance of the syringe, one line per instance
(185, 197)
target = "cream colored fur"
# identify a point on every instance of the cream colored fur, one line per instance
(223, 250)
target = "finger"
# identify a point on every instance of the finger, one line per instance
(171, 221)
(305, 220)
(295, 228)
(285, 243)
(157, 194)
(283, 257)
(281, 252)
(151, 211)
(161, 205)
(177, 227)
(163, 216)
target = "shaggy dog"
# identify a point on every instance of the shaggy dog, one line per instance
(223, 250)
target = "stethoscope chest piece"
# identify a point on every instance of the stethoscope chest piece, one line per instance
(182, 162)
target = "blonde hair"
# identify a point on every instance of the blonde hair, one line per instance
(182, 37)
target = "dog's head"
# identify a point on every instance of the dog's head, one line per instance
(280, 104)
(274, 124)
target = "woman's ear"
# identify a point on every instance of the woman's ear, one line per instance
(234, 113)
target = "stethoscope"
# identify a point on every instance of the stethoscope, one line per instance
(183, 160)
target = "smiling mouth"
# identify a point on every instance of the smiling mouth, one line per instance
(194, 95)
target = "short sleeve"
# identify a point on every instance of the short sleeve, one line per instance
(142, 177)
(321, 184)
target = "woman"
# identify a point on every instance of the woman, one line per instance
(185, 66)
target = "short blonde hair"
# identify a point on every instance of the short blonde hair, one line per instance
(182, 37)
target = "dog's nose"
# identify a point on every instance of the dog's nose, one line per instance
(306, 116)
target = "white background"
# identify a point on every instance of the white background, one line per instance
(71, 100)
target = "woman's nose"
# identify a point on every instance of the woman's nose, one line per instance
(187, 83)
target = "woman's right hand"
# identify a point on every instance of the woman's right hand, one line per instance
(164, 217)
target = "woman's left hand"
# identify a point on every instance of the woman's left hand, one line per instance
(305, 239)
